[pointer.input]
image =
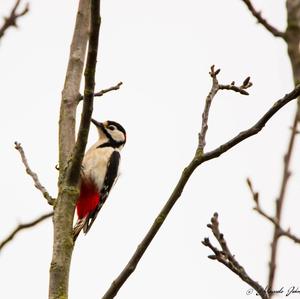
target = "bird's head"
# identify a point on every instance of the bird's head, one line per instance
(112, 130)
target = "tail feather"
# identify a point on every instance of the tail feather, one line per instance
(92, 216)
(81, 222)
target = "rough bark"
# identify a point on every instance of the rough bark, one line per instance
(72, 84)
(73, 173)
(70, 172)
(67, 195)
(292, 35)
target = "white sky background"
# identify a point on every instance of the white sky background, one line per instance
(162, 51)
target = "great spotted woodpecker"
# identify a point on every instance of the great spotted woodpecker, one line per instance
(100, 167)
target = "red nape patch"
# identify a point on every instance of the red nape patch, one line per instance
(87, 201)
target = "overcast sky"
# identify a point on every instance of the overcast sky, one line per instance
(162, 51)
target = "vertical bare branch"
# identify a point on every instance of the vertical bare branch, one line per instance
(279, 204)
(68, 192)
(11, 20)
(72, 84)
(204, 125)
(65, 203)
(292, 37)
(73, 174)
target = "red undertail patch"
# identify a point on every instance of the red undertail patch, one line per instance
(87, 201)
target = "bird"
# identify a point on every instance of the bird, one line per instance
(99, 172)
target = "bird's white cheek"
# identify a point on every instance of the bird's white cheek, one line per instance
(118, 136)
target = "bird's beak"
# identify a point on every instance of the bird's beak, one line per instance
(97, 124)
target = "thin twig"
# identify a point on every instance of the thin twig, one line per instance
(280, 231)
(213, 91)
(11, 20)
(263, 21)
(204, 126)
(33, 175)
(103, 91)
(241, 89)
(198, 159)
(225, 257)
(22, 227)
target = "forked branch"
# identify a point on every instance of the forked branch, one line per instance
(197, 160)
(225, 257)
(253, 130)
(11, 20)
(280, 231)
(213, 91)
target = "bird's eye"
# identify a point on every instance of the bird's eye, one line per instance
(111, 128)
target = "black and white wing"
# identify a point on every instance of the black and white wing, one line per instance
(109, 180)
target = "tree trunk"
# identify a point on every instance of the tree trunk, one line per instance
(67, 195)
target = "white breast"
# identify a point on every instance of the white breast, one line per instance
(95, 164)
